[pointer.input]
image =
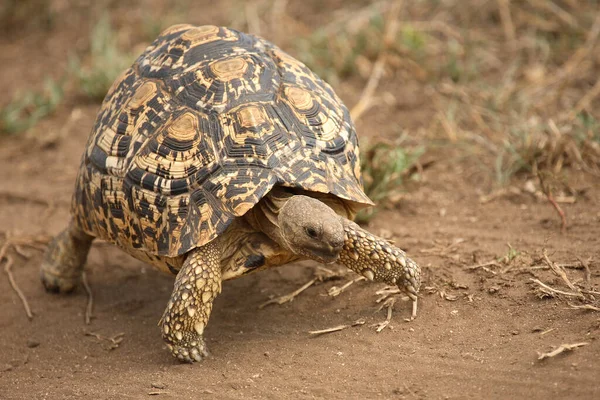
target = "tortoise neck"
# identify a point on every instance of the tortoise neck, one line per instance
(264, 216)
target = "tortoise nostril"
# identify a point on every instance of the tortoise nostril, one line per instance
(336, 243)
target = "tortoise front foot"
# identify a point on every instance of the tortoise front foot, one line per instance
(377, 260)
(196, 286)
(193, 350)
(64, 260)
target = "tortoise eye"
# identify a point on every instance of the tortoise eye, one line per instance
(312, 232)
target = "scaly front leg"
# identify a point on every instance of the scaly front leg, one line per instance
(197, 284)
(377, 260)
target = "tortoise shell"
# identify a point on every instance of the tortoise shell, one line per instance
(198, 130)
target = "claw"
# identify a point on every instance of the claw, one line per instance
(189, 354)
(414, 309)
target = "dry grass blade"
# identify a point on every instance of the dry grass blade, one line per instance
(336, 291)
(90, 302)
(389, 303)
(561, 349)
(507, 23)
(586, 266)
(389, 35)
(485, 266)
(584, 102)
(337, 328)
(546, 189)
(385, 293)
(21, 251)
(288, 297)
(16, 243)
(329, 330)
(571, 64)
(556, 10)
(547, 331)
(584, 307)
(558, 270)
(114, 341)
(549, 290)
(13, 284)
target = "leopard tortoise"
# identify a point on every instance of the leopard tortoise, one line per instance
(216, 155)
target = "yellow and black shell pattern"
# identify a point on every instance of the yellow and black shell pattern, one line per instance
(198, 130)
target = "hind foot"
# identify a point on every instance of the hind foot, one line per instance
(64, 260)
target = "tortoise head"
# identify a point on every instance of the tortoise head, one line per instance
(311, 228)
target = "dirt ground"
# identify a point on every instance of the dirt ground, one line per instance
(478, 334)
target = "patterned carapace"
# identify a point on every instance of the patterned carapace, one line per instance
(198, 130)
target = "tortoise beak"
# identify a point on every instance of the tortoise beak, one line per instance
(326, 254)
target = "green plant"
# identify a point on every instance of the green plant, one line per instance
(335, 53)
(24, 111)
(386, 168)
(106, 61)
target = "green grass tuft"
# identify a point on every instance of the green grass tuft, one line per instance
(334, 54)
(386, 168)
(26, 110)
(106, 61)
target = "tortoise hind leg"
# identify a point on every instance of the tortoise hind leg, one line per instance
(64, 260)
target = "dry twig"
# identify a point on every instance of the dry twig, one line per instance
(13, 284)
(485, 266)
(114, 341)
(546, 189)
(547, 331)
(321, 274)
(558, 270)
(584, 307)
(586, 266)
(337, 328)
(290, 296)
(549, 290)
(389, 303)
(560, 349)
(90, 302)
(386, 292)
(17, 243)
(336, 291)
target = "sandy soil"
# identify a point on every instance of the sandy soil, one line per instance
(478, 333)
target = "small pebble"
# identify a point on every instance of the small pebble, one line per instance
(31, 343)
(158, 385)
